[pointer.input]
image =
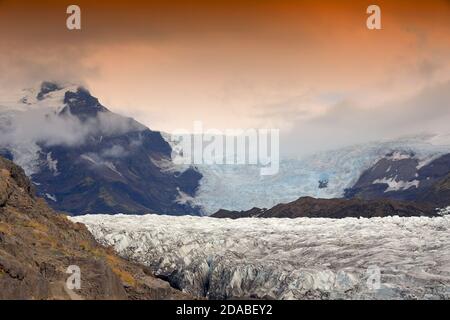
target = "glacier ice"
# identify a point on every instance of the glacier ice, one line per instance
(239, 187)
(444, 211)
(287, 258)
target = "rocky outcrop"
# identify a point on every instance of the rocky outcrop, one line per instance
(307, 207)
(403, 177)
(37, 246)
(254, 212)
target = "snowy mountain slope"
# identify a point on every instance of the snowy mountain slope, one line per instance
(287, 259)
(21, 117)
(405, 177)
(86, 159)
(239, 187)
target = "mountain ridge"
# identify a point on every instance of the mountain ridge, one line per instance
(88, 159)
(308, 207)
(404, 178)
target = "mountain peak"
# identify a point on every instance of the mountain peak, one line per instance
(82, 104)
(46, 94)
(47, 87)
(57, 96)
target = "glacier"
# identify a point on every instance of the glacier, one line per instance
(241, 187)
(378, 258)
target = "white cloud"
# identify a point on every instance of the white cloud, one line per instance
(349, 122)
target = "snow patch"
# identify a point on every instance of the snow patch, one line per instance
(51, 197)
(88, 158)
(398, 155)
(96, 160)
(394, 185)
(183, 198)
(52, 164)
(444, 211)
(26, 155)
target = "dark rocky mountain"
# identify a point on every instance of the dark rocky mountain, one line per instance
(46, 88)
(115, 165)
(438, 194)
(307, 207)
(252, 213)
(403, 177)
(37, 245)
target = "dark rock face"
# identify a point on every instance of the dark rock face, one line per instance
(37, 246)
(307, 207)
(252, 213)
(410, 181)
(439, 193)
(323, 184)
(82, 104)
(47, 87)
(120, 166)
(117, 174)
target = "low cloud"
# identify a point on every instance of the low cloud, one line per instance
(348, 122)
(24, 131)
(50, 128)
(114, 152)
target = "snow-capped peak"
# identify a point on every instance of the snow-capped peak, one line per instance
(46, 95)
(53, 113)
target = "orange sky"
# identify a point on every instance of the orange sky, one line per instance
(238, 64)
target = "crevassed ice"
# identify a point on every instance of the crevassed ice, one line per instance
(287, 259)
(241, 187)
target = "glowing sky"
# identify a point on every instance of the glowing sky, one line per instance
(310, 68)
